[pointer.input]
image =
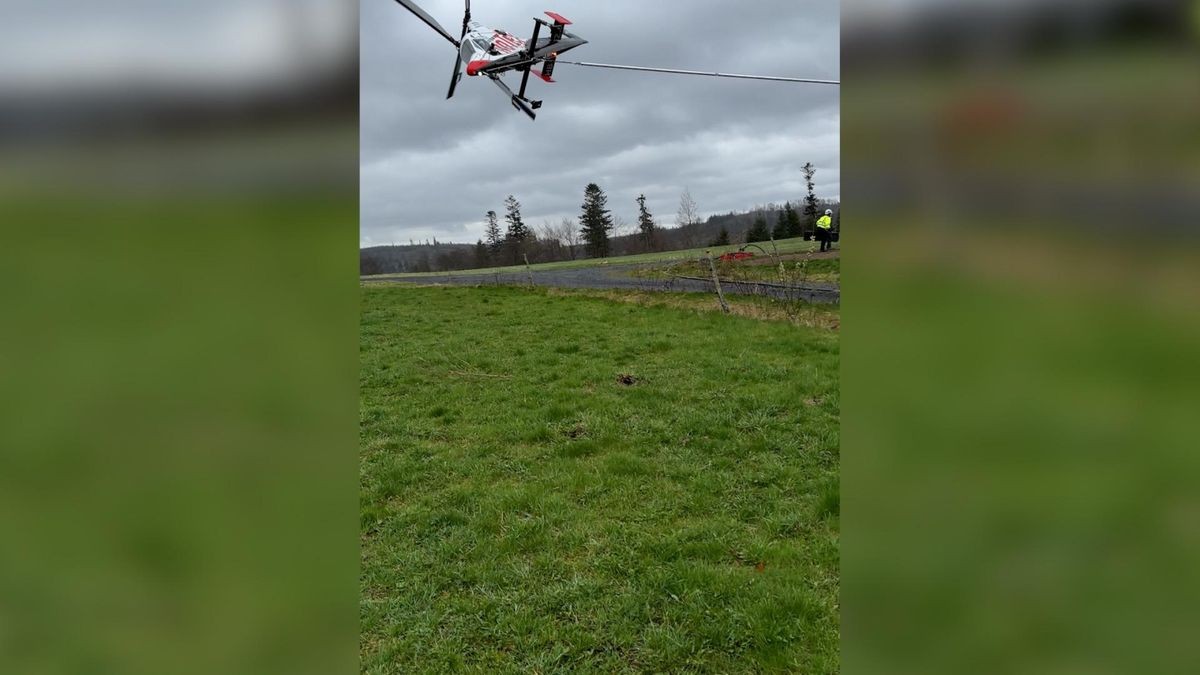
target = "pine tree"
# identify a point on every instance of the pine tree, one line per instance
(495, 242)
(595, 223)
(758, 231)
(722, 238)
(781, 225)
(517, 234)
(646, 225)
(809, 226)
(794, 228)
(481, 254)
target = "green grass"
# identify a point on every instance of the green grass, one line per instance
(524, 510)
(178, 473)
(794, 271)
(796, 245)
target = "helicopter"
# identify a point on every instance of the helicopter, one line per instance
(493, 52)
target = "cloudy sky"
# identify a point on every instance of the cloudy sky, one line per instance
(432, 168)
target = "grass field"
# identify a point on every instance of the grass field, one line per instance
(557, 482)
(178, 471)
(796, 245)
(794, 271)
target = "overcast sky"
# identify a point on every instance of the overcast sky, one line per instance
(432, 167)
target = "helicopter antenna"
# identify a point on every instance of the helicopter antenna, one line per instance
(699, 72)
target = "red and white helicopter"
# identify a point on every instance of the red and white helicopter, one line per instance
(492, 52)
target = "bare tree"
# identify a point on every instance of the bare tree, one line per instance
(620, 233)
(622, 228)
(687, 218)
(568, 234)
(550, 243)
(559, 241)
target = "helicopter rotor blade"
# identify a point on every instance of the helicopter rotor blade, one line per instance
(429, 20)
(457, 74)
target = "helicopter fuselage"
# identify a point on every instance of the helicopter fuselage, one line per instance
(483, 46)
(492, 50)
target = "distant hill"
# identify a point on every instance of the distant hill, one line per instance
(435, 257)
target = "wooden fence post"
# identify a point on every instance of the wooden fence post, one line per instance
(717, 282)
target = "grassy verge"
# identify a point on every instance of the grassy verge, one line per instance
(827, 270)
(797, 245)
(557, 481)
(826, 317)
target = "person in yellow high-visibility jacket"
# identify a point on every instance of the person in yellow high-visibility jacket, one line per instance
(824, 230)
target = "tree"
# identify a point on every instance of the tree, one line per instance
(561, 239)
(794, 228)
(758, 231)
(623, 239)
(781, 224)
(809, 225)
(370, 265)
(558, 241)
(569, 235)
(482, 256)
(595, 223)
(687, 217)
(492, 235)
(646, 228)
(517, 234)
(722, 238)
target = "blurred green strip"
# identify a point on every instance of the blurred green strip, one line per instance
(178, 489)
(1020, 453)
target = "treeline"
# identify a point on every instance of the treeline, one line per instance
(597, 233)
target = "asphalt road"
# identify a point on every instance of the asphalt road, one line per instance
(618, 276)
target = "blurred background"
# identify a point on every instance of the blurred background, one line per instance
(1020, 334)
(178, 484)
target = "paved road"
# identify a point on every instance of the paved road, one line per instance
(618, 276)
